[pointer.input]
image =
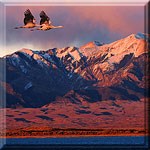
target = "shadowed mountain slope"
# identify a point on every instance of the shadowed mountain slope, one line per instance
(94, 72)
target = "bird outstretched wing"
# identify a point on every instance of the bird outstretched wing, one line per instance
(28, 17)
(44, 19)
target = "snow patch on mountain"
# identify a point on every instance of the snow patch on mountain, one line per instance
(48, 57)
(14, 59)
(39, 59)
(28, 85)
(27, 51)
(142, 36)
(24, 70)
(72, 51)
(98, 43)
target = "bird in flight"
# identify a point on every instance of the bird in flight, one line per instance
(29, 20)
(45, 23)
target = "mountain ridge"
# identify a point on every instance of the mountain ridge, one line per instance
(92, 72)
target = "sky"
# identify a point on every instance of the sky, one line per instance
(82, 24)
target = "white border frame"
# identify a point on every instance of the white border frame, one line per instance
(4, 3)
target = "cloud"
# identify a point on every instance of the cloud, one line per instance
(120, 19)
(81, 25)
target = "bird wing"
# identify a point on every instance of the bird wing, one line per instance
(28, 17)
(44, 19)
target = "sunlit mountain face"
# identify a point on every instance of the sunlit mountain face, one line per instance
(94, 80)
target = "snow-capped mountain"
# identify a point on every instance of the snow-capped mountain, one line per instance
(94, 72)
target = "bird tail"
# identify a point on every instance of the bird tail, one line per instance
(58, 27)
(18, 27)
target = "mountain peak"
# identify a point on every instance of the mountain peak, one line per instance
(72, 51)
(26, 51)
(90, 73)
(98, 43)
(90, 48)
(130, 44)
(91, 44)
(143, 36)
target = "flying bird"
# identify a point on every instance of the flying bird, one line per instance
(29, 20)
(45, 23)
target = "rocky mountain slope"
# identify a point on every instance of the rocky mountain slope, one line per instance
(92, 73)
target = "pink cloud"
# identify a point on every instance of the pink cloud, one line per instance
(81, 25)
(123, 19)
(114, 17)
